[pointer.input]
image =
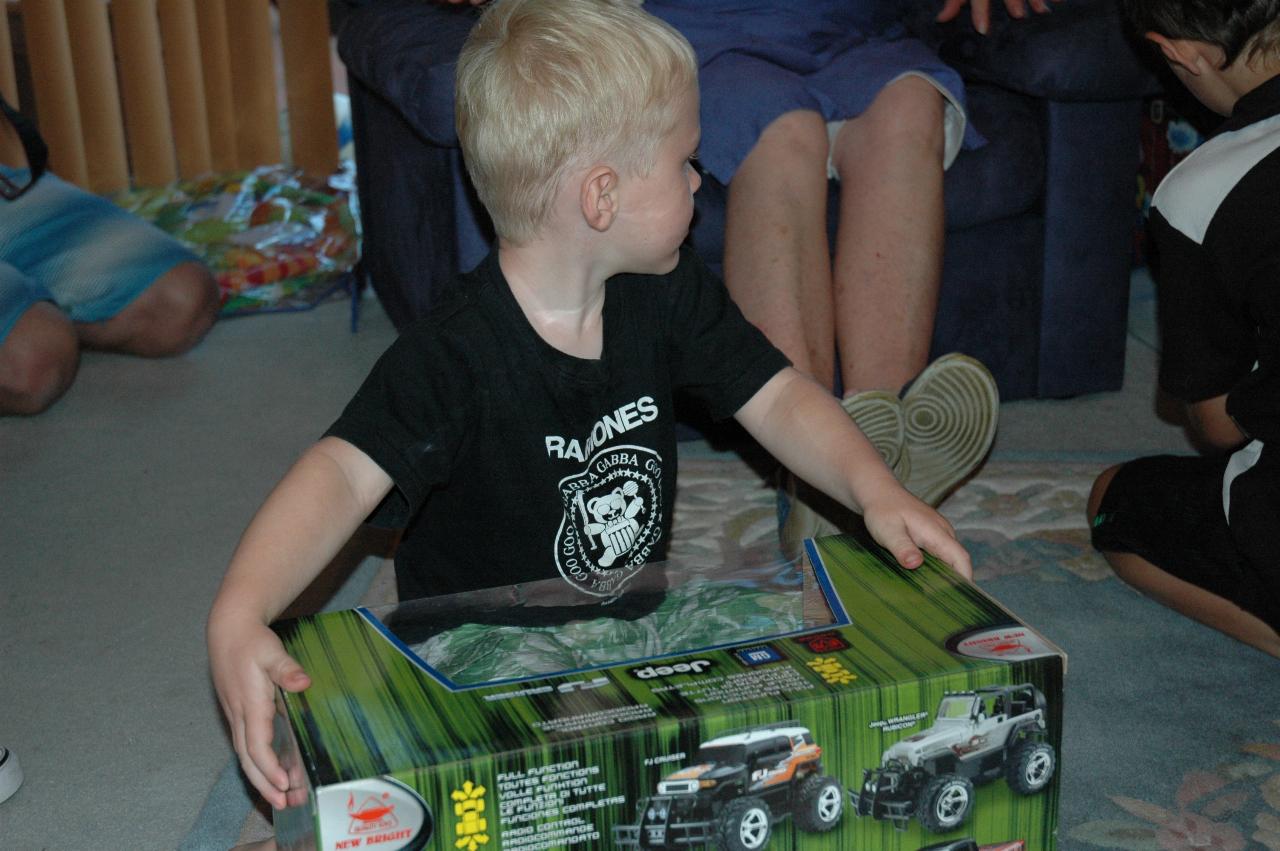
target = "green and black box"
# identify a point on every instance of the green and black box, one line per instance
(915, 712)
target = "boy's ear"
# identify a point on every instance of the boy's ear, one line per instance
(1178, 51)
(599, 198)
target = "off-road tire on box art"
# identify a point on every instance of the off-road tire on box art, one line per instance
(820, 804)
(734, 788)
(745, 825)
(977, 736)
(1030, 767)
(945, 803)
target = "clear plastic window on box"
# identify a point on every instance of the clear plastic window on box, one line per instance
(547, 627)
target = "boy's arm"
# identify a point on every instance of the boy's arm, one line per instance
(300, 527)
(1210, 420)
(811, 435)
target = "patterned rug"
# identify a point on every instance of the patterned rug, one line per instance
(1015, 517)
(1172, 731)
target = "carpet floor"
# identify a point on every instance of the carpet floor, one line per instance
(122, 504)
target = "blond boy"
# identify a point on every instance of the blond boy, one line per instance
(524, 431)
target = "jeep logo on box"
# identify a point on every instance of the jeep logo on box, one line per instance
(651, 672)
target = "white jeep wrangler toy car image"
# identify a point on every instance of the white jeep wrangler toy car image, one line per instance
(976, 737)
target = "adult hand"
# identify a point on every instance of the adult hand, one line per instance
(248, 663)
(980, 10)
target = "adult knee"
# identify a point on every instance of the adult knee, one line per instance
(38, 361)
(794, 142)
(180, 308)
(907, 116)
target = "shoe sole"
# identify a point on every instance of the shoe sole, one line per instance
(950, 414)
(10, 774)
(879, 415)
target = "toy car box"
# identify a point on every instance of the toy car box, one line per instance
(899, 710)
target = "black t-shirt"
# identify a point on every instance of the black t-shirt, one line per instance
(1215, 221)
(513, 461)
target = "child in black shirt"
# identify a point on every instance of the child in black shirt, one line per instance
(524, 430)
(1199, 534)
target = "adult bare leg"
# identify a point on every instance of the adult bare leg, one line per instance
(888, 261)
(168, 318)
(777, 257)
(38, 360)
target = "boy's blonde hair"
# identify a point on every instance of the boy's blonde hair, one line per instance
(547, 85)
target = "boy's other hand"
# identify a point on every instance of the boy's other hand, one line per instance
(248, 662)
(904, 525)
(980, 10)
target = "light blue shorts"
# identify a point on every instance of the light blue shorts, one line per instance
(61, 244)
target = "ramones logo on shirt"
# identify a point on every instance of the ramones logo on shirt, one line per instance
(612, 519)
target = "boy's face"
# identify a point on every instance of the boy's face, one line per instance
(656, 208)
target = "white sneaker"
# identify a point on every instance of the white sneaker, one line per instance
(932, 438)
(950, 411)
(10, 774)
(879, 415)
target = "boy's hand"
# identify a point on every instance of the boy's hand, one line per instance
(903, 525)
(304, 522)
(248, 662)
(1211, 423)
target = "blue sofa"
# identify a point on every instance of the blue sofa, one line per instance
(1040, 221)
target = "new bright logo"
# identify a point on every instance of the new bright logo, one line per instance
(375, 813)
(372, 814)
(760, 655)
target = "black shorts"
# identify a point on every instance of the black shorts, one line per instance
(1168, 510)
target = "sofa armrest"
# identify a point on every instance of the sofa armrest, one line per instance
(1080, 51)
(406, 51)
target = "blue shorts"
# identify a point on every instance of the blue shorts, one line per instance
(760, 60)
(61, 244)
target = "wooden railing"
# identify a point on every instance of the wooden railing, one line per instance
(143, 92)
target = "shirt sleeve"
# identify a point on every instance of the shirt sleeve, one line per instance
(718, 358)
(1206, 335)
(1245, 253)
(410, 419)
(1254, 401)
